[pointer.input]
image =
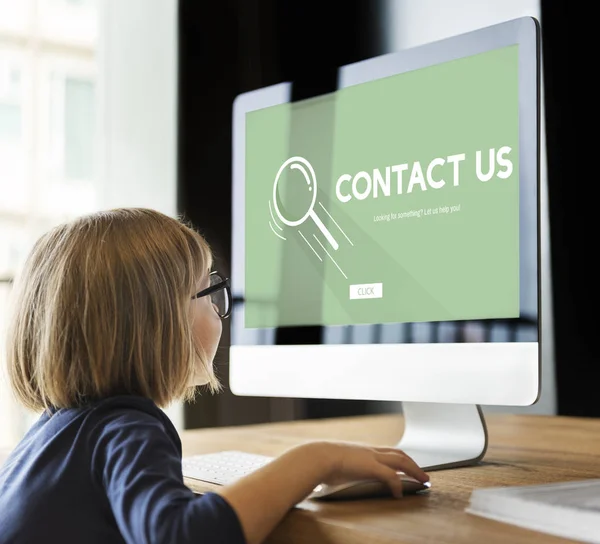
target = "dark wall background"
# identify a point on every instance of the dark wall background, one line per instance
(572, 228)
(232, 46)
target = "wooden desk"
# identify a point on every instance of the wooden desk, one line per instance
(523, 450)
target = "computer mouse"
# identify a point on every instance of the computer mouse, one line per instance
(366, 489)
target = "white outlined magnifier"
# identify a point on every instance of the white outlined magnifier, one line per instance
(300, 163)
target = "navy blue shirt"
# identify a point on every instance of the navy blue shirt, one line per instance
(107, 472)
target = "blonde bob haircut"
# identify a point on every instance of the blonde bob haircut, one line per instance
(101, 308)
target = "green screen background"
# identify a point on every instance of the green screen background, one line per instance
(434, 264)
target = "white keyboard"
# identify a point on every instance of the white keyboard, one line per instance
(223, 467)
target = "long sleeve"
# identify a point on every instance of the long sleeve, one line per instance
(139, 467)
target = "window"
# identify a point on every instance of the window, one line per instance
(48, 104)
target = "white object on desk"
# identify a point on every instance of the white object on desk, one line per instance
(566, 509)
(226, 467)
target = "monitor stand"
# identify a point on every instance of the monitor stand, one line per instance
(441, 436)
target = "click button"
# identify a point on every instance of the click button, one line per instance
(366, 290)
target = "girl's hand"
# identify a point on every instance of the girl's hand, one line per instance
(264, 496)
(351, 462)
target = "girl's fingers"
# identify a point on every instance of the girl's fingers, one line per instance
(389, 449)
(389, 477)
(399, 461)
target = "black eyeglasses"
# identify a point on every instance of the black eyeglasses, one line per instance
(220, 294)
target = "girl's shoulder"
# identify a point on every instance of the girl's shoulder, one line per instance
(131, 404)
(129, 423)
(128, 410)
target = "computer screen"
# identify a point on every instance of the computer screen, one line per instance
(399, 213)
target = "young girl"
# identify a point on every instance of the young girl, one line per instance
(110, 325)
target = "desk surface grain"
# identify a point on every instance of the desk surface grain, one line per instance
(523, 449)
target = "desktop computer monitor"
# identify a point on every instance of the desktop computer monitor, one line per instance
(399, 214)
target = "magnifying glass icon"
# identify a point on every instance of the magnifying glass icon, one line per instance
(301, 164)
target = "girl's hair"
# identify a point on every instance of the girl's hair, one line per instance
(101, 308)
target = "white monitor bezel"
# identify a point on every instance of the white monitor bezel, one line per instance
(491, 373)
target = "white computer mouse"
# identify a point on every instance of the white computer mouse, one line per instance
(365, 489)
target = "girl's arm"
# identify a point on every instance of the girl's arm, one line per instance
(137, 468)
(262, 498)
